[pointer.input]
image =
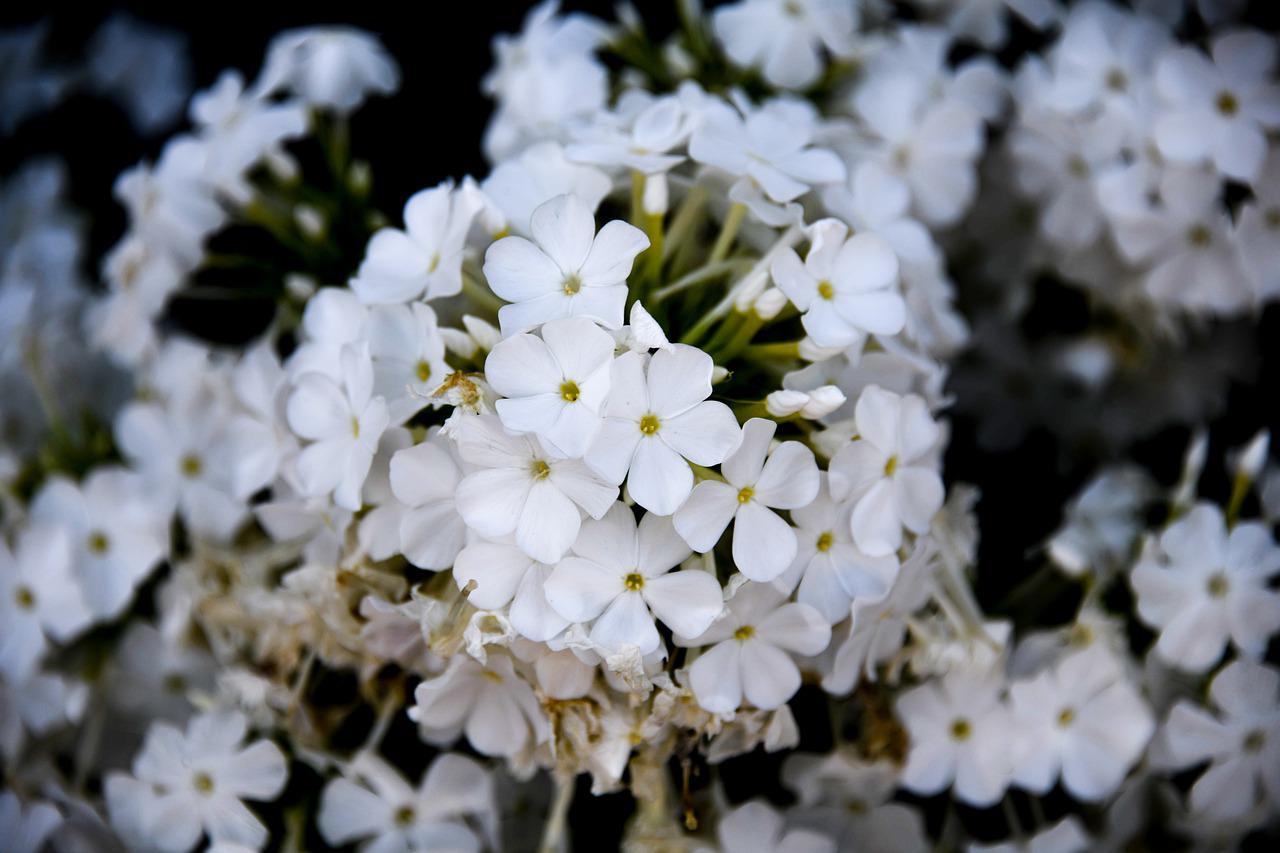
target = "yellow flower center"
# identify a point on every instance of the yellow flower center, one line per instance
(961, 730)
(355, 427)
(1227, 103)
(746, 494)
(1117, 80)
(25, 598)
(572, 284)
(826, 290)
(569, 392)
(541, 470)
(98, 543)
(1066, 717)
(423, 371)
(405, 816)
(175, 683)
(203, 782)
(634, 581)
(746, 632)
(825, 541)
(891, 465)
(491, 675)
(649, 424)
(191, 466)
(1255, 740)
(1218, 585)
(435, 262)
(1199, 236)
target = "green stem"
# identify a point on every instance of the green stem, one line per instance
(752, 324)
(1239, 491)
(772, 352)
(728, 232)
(705, 473)
(725, 331)
(698, 276)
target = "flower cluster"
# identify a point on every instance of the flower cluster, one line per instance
(615, 456)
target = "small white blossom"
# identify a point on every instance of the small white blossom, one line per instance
(764, 545)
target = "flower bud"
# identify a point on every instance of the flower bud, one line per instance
(784, 403)
(822, 402)
(770, 303)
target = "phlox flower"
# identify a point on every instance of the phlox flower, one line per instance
(1081, 718)
(959, 733)
(343, 421)
(117, 533)
(888, 471)
(756, 482)
(757, 826)
(425, 479)
(521, 487)
(490, 703)
(371, 800)
(408, 357)
(844, 286)
(784, 38)
(333, 68)
(750, 650)
(556, 385)
(567, 271)
(1241, 741)
(192, 783)
(620, 576)
(40, 599)
(657, 416)
(1202, 587)
(501, 575)
(425, 258)
(829, 572)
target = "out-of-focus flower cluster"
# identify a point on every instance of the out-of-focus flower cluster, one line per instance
(586, 466)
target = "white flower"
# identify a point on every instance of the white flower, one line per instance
(186, 785)
(832, 573)
(571, 271)
(930, 144)
(756, 827)
(1102, 522)
(26, 829)
(770, 147)
(501, 575)
(1202, 587)
(620, 576)
(764, 545)
(240, 130)
(373, 801)
(329, 67)
(172, 206)
(888, 471)
(117, 534)
(519, 185)
(182, 452)
(1081, 718)
(426, 257)
(639, 142)
(749, 650)
(344, 421)
(877, 629)
(145, 67)
(851, 799)
(408, 357)
(959, 732)
(522, 488)
(556, 385)
(658, 416)
(425, 479)
(844, 287)
(490, 703)
(1220, 110)
(1241, 742)
(783, 37)
(40, 599)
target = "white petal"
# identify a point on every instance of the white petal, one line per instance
(716, 677)
(790, 477)
(564, 228)
(770, 677)
(548, 524)
(613, 253)
(687, 602)
(660, 480)
(763, 544)
(580, 589)
(743, 466)
(704, 516)
(626, 622)
(705, 434)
